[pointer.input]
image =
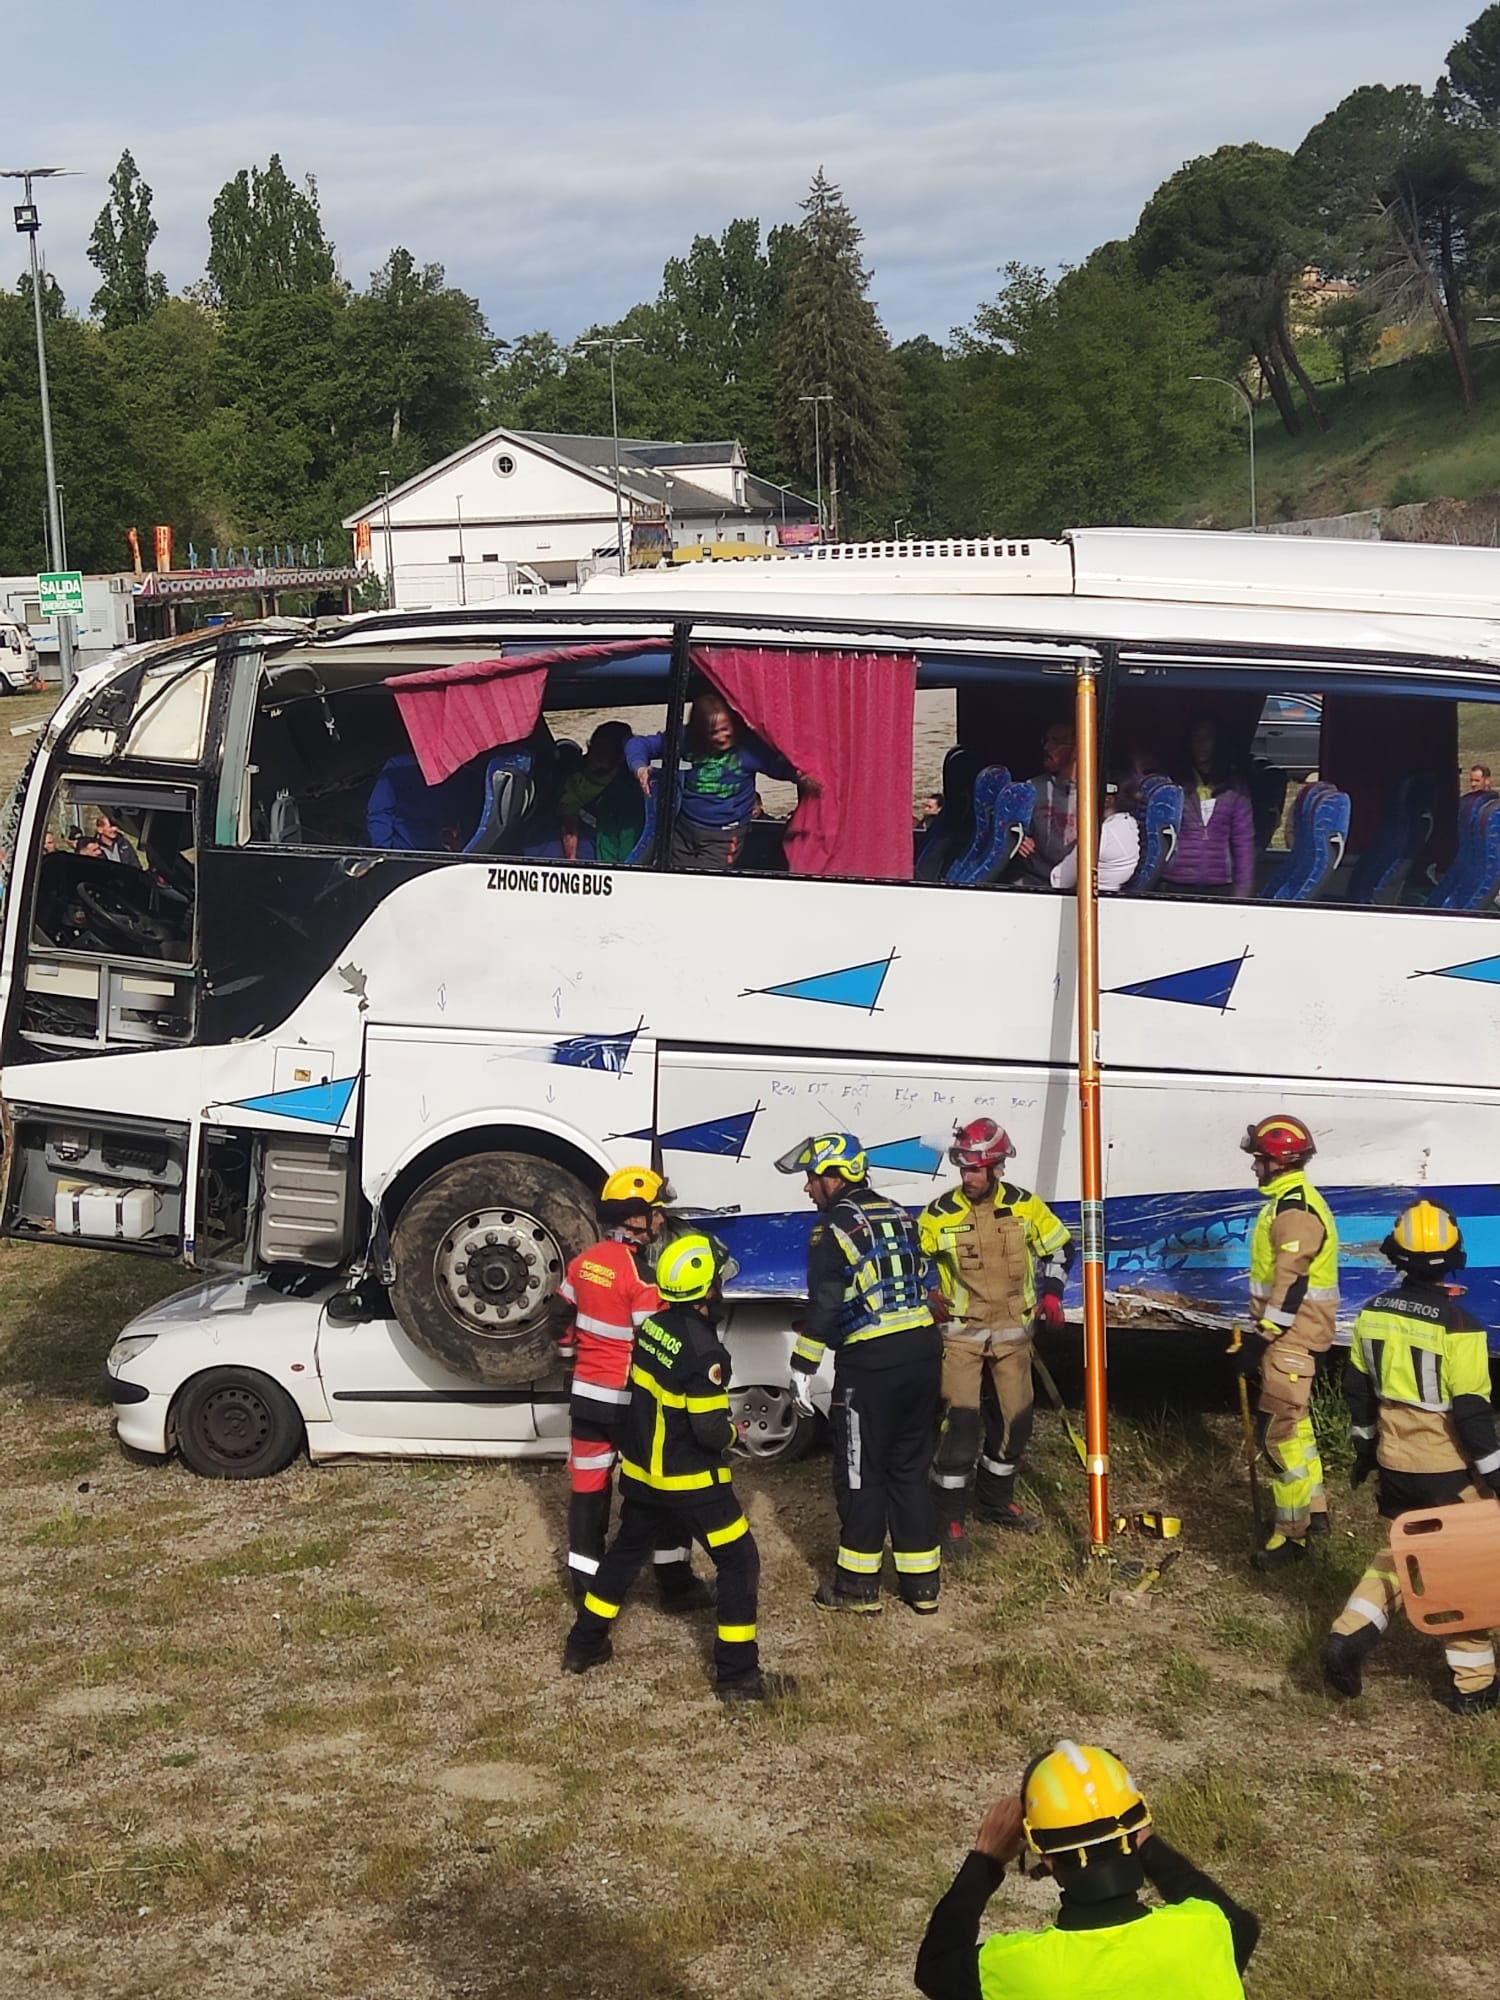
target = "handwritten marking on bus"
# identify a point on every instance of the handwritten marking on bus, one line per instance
(551, 882)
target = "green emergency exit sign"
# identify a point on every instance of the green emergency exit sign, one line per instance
(61, 593)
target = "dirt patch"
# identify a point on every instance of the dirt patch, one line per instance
(496, 1784)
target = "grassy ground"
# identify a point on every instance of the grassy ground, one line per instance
(311, 1736)
(1395, 435)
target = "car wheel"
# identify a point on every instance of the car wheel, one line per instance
(480, 1249)
(234, 1423)
(777, 1431)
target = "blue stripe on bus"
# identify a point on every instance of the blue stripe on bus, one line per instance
(1191, 1248)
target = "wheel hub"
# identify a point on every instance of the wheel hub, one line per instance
(496, 1269)
(235, 1423)
(771, 1417)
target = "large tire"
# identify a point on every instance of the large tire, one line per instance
(480, 1249)
(235, 1423)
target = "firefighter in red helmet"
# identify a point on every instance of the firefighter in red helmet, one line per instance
(1002, 1261)
(1294, 1296)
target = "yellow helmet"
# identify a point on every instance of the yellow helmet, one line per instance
(691, 1267)
(1426, 1236)
(1078, 1797)
(826, 1153)
(637, 1184)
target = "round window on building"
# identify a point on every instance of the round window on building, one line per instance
(505, 465)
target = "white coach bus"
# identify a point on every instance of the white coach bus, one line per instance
(300, 990)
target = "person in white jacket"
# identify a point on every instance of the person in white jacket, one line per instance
(1119, 846)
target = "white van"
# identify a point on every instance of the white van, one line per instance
(19, 672)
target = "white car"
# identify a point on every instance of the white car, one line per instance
(237, 1377)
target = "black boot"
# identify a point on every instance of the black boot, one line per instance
(996, 1503)
(1281, 1552)
(758, 1687)
(1343, 1660)
(958, 1543)
(678, 1591)
(1475, 1701)
(583, 1660)
(831, 1597)
(1318, 1526)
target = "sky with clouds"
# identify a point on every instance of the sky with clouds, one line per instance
(553, 153)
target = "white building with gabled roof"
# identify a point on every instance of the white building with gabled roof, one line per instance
(534, 509)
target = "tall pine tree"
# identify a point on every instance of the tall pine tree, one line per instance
(265, 235)
(833, 345)
(120, 247)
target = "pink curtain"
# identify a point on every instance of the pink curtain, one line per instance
(847, 720)
(455, 713)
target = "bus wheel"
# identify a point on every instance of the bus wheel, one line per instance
(234, 1423)
(480, 1249)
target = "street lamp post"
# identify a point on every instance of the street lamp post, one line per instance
(390, 566)
(614, 342)
(1225, 382)
(896, 536)
(463, 594)
(825, 396)
(27, 224)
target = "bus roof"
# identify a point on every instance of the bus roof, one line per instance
(1297, 572)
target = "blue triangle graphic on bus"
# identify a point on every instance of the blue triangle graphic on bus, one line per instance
(905, 1156)
(1486, 970)
(1202, 986)
(725, 1138)
(606, 1052)
(850, 986)
(317, 1103)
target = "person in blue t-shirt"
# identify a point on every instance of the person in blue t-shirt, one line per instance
(716, 794)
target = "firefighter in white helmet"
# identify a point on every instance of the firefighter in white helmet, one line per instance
(1002, 1260)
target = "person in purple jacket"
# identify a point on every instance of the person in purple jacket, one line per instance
(1215, 852)
(716, 794)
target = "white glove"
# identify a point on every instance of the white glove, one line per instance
(801, 1387)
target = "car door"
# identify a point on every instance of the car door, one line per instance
(379, 1385)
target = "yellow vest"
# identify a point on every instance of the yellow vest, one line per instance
(1184, 1951)
(1323, 1275)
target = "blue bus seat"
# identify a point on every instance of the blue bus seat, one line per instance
(1159, 816)
(1003, 807)
(952, 831)
(509, 796)
(1453, 884)
(1482, 880)
(404, 811)
(1405, 829)
(1320, 829)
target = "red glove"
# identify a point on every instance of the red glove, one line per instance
(1049, 1312)
(938, 1306)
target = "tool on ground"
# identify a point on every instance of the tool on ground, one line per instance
(1247, 1432)
(1162, 1527)
(1137, 1596)
(1447, 1562)
(1054, 1396)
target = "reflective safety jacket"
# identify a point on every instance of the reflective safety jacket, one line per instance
(610, 1300)
(865, 1276)
(1294, 1265)
(991, 1269)
(1182, 1950)
(678, 1426)
(1418, 1381)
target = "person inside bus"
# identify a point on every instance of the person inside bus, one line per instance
(110, 844)
(1479, 778)
(1119, 843)
(1215, 852)
(1054, 823)
(600, 801)
(716, 794)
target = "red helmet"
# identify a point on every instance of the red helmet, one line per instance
(1283, 1140)
(981, 1143)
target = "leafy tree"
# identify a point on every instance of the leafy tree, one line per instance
(931, 415)
(120, 248)
(1229, 223)
(1075, 397)
(54, 305)
(832, 342)
(1469, 89)
(1351, 326)
(1393, 187)
(420, 351)
(265, 235)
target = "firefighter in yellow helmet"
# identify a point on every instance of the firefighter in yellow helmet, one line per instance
(1417, 1383)
(1294, 1296)
(1079, 1813)
(675, 1478)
